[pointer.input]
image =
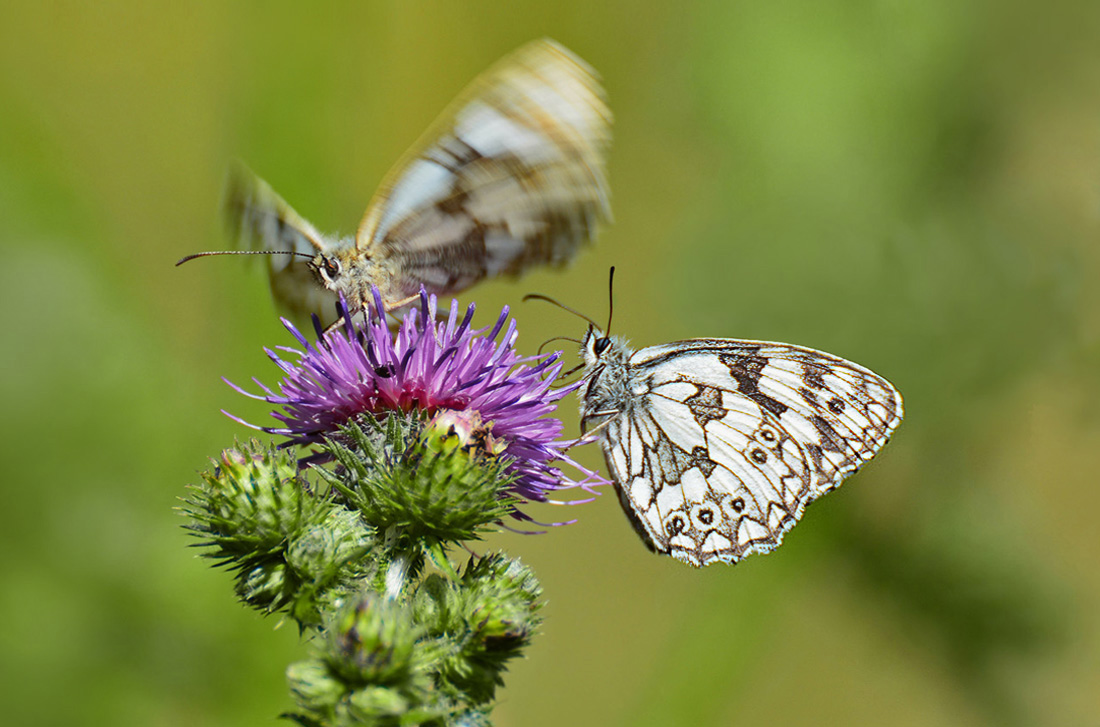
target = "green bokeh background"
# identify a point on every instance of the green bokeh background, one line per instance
(913, 185)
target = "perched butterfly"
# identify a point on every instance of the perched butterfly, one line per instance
(512, 175)
(717, 445)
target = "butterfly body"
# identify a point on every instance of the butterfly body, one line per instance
(511, 176)
(717, 445)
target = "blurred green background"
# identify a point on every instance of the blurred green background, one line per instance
(912, 185)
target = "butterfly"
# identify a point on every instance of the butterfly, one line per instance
(717, 445)
(512, 175)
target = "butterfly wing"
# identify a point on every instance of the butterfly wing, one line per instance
(730, 440)
(512, 175)
(261, 220)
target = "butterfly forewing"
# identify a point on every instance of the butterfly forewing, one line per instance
(512, 175)
(261, 220)
(718, 445)
(821, 399)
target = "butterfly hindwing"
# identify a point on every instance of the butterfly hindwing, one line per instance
(512, 175)
(718, 445)
(704, 473)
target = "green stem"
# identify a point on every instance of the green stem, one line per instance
(396, 573)
(400, 560)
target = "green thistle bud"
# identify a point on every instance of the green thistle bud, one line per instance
(485, 619)
(249, 502)
(371, 642)
(375, 705)
(427, 481)
(502, 602)
(267, 586)
(326, 559)
(286, 543)
(314, 687)
(325, 699)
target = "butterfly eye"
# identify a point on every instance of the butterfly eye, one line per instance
(601, 345)
(329, 268)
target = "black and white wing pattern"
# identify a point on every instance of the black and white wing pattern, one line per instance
(512, 175)
(717, 445)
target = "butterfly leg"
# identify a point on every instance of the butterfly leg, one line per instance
(609, 413)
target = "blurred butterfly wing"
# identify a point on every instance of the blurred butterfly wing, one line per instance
(734, 438)
(512, 175)
(261, 220)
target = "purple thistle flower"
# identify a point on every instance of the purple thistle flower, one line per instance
(440, 368)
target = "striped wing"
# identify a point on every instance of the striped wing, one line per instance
(512, 175)
(732, 439)
(259, 219)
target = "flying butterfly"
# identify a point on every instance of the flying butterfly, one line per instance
(717, 445)
(512, 175)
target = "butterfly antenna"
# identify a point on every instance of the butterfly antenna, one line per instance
(610, 300)
(537, 296)
(557, 338)
(242, 252)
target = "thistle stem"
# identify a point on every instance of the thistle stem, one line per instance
(398, 569)
(396, 573)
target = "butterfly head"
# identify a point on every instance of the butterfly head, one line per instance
(348, 273)
(595, 346)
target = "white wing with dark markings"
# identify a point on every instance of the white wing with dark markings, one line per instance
(716, 446)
